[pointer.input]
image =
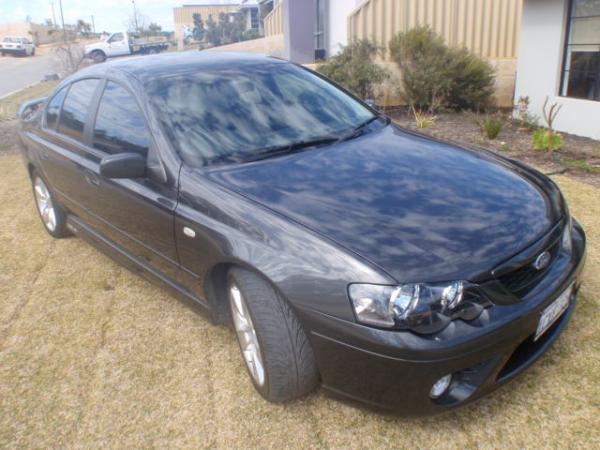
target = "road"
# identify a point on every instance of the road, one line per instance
(19, 72)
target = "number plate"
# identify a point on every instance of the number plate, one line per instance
(553, 312)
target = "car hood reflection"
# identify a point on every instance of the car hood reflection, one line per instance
(420, 209)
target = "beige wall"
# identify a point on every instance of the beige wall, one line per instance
(183, 15)
(489, 28)
(270, 45)
(274, 21)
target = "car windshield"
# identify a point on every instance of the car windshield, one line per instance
(235, 114)
(12, 40)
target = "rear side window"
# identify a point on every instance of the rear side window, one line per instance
(76, 107)
(120, 125)
(53, 108)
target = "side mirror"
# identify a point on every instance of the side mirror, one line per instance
(123, 165)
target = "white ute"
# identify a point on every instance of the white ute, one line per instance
(121, 44)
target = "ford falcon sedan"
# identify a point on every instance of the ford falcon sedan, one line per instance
(391, 268)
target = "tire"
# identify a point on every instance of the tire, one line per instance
(289, 366)
(98, 56)
(54, 221)
(3, 54)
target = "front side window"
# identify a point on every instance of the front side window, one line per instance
(238, 112)
(117, 37)
(581, 77)
(120, 126)
(75, 108)
(53, 108)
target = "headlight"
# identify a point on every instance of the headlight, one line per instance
(423, 308)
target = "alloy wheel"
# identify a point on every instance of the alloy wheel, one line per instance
(246, 335)
(44, 204)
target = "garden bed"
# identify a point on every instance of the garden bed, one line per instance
(579, 157)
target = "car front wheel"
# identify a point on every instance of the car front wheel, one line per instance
(53, 216)
(275, 348)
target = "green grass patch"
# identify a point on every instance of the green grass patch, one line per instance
(9, 105)
(582, 164)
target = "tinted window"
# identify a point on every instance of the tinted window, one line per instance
(53, 108)
(120, 125)
(237, 112)
(75, 109)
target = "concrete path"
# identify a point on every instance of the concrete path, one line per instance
(19, 72)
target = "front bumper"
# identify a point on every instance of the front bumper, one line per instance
(396, 370)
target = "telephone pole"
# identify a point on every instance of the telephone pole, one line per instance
(93, 25)
(137, 28)
(53, 15)
(62, 21)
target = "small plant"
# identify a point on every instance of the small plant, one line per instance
(583, 165)
(423, 119)
(491, 127)
(546, 140)
(525, 120)
(355, 68)
(505, 147)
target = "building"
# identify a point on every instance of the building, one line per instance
(559, 59)
(183, 15)
(37, 33)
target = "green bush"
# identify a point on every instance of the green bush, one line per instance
(491, 127)
(355, 69)
(547, 140)
(435, 75)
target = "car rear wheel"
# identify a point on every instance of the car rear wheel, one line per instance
(275, 348)
(53, 216)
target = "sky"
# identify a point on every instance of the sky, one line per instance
(109, 15)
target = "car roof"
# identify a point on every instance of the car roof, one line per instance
(151, 67)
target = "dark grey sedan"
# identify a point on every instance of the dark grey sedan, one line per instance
(390, 268)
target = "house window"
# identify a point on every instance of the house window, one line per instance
(581, 77)
(320, 28)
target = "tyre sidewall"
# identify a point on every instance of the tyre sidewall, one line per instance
(60, 230)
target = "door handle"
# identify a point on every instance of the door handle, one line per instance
(91, 178)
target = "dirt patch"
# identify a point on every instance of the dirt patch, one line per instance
(9, 140)
(579, 157)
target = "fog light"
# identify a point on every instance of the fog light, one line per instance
(440, 386)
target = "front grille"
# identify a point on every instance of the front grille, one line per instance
(522, 280)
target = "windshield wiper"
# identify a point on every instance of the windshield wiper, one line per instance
(358, 130)
(290, 148)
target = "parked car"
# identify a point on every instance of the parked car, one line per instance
(122, 44)
(17, 46)
(391, 268)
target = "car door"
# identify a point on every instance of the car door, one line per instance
(65, 159)
(117, 45)
(136, 214)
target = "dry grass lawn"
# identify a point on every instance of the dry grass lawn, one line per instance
(93, 356)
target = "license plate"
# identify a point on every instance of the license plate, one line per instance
(553, 312)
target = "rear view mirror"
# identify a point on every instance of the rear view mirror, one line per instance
(123, 165)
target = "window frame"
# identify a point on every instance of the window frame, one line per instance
(94, 117)
(564, 71)
(45, 126)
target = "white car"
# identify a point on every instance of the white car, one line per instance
(17, 46)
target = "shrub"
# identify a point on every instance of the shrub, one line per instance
(355, 69)
(491, 127)
(547, 140)
(435, 76)
(422, 119)
(524, 119)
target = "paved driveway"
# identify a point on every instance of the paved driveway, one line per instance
(93, 356)
(17, 72)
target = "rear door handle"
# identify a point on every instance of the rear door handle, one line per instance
(91, 178)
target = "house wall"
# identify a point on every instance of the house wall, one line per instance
(337, 28)
(37, 33)
(540, 65)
